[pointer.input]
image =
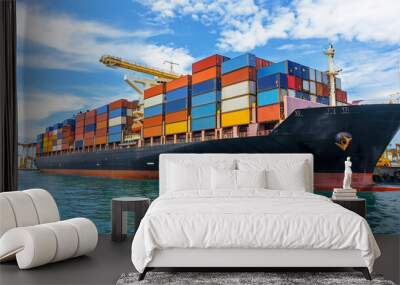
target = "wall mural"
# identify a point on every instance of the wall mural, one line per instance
(104, 88)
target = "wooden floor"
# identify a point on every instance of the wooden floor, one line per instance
(110, 260)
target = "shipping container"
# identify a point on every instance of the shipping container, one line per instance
(239, 62)
(242, 74)
(152, 101)
(325, 90)
(102, 110)
(102, 124)
(69, 122)
(204, 111)
(90, 114)
(319, 89)
(154, 131)
(238, 103)
(78, 143)
(206, 86)
(236, 118)
(154, 111)
(313, 87)
(176, 128)
(177, 94)
(116, 129)
(117, 121)
(101, 132)
(325, 79)
(341, 96)
(294, 82)
(90, 128)
(154, 91)
(269, 97)
(338, 83)
(176, 116)
(206, 74)
(120, 112)
(303, 95)
(323, 100)
(291, 93)
(177, 105)
(185, 80)
(306, 85)
(260, 63)
(57, 126)
(205, 123)
(114, 138)
(89, 141)
(213, 96)
(238, 89)
(122, 103)
(213, 60)
(153, 121)
(102, 117)
(313, 98)
(278, 80)
(318, 76)
(90, 121)
(101, 140)
(311, 74)
(305, 72)
(269, 113)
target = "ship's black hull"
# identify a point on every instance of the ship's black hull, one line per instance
(367, 129)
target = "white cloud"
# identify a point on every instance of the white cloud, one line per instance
(77, 44)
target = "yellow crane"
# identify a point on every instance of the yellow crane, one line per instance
(113, 61)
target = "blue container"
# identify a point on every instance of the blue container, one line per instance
(49, 129)
(302, 95)
(294, 68)
(204, 123)
(57, 126)
(116, 129)
(238, 62)
(204, 110)
(39, 137)
(323, 100)
(177, 94)
(102, 110)
(206, 86)
(325, 79)
(268, 97)
(78, 144)
(305, 72)
(279, 67)
(59, 136)
(90, 128)
(120, 112)
(278, 80)
(69, 122)
(114, 138)
(154, 111)
(214, 96)
(177, 105)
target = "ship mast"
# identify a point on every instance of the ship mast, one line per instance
(330, 53)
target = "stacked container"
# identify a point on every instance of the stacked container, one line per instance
(40, 144)
(154, 111)
(68, 134)
(177, 106)
(206, 92)
(238, 90)
(57, 137)
(90, 127)
(79, 130)
(101, 137)
(117, 120)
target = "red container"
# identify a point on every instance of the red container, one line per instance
(122, 103)
(153, 121)
(80, 117)
(101, 132)
(79, 137)
(243, 74)
(154, 91)
(178, 83)
(319, 89)
(260, 63)
(89, 135)
(294, 83)
(90, 121)
(133, 104)
(90, 114)
(80, 130)
(207, 62)
(89, 141)
(341, 96)
(325, 90)
(102, 117)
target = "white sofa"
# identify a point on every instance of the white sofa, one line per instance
(31, 231)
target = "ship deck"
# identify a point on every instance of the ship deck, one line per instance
(110, 259)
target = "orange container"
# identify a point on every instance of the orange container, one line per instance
(89, 141)
(152, 131)
(90, 114)
(176, 116)
(118, 104)
(79, 137)
(153, 121)
(319, 89)
(80, 124)
(178, 83)
(206, 74)
(243, 74)
(102, 125)
(133, 104)
(269, 113)
(90, 120)
(80, 117)
(207, 62)
(101, 132)
(80, 130)
(89, 135)
(101, 140)
(154, 91)
(102, 117)
(325, 90)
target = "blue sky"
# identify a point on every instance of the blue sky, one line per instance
(60, 42)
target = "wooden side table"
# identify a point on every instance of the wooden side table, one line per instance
(357, 205)
(120, 207)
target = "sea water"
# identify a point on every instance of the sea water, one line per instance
(90, 197)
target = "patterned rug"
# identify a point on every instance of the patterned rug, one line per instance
(243, 278)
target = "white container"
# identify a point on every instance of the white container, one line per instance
(58, 147)
(238, 89)
(238, 103)
(313, 98)
(312, 74)
(129, 112)
(54, 148)
(338, 83)
(152, 101)
(313, 87)
(117, 121)
(306, 85)
(318, 76)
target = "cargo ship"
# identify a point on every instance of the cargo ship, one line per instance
(240, 105)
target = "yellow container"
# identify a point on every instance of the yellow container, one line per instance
(176, 128)
(236, 118)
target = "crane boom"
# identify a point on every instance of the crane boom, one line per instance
(113, 61)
